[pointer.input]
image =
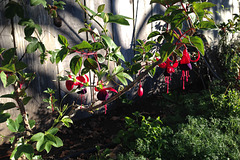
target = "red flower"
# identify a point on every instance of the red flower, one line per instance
(169, 69)
(140, 90)
(185, 66)
(103, 95)
(80, 82)
(69, 85)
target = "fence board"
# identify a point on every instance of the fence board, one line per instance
(6, 41)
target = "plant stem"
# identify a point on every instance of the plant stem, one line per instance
(21, 106)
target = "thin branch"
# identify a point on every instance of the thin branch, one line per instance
(127, 88)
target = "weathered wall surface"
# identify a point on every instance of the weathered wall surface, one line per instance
(73, 18)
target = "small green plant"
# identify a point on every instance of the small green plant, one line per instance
(143, 136)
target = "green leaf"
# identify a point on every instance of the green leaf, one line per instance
(6, 106)
(48, 146)
(26, 100)
(28, 31)
(85, 71)
(90, 63)
(8, 56)
(206, 25)
(119, 19)
(170, 9)
(30, 26)
(66, 120)
(53, 131)
(101, 8)
(122, 79)
(62, 40)
(38, 2)
(4, 117)
(41, 47)
(32, 123)
(8, 68)
(97, 46)
(62, 54)
(12, 9)
(76, 64)
(198, 43)
(37, 136)
(83, 30)
(25, 149)
(53, 57)
(176, 19)
(203, 5)
(50, 137)
(82, 46)
(109, 42)
(3, 77)
(19, 65)
(11, 80)
(117, 70)
(58, 143)
(2, 50)
(127, 76)
(153, 34)
(8, 96)
(32, 47)
(12, 126)
(166, 50)
(155, 18)
(40, 143)
(118, 54)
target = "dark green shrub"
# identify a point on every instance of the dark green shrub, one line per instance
(207, 139)
(144, 136)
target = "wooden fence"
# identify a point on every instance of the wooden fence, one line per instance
(73, 17)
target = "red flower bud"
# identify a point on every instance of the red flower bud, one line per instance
(69, 85)
(140, 90)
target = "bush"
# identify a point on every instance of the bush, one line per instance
(144, 136)
(207, 139)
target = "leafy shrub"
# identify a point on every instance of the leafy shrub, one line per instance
(205, 139)
(227, 104)
(130, 156)
(144, 136)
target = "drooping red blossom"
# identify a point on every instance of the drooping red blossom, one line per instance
(169, 69)
(69, 85)
(103, 95)
(186, 66)
(79, 83)
(140, 90)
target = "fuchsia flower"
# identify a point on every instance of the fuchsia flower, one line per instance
(169, 69)
(81, 80)
(103, 95)
(185, 66)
